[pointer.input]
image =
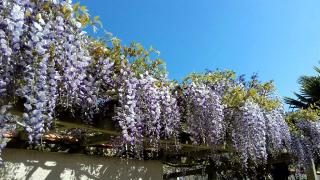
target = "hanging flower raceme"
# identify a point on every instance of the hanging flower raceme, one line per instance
(43, 52)
(46, 61)
(278, 134)
(5, 61)
(145, 110)
(41, 75)
(306, 142)
(205, 119)
(97, 86)
(74, 68)
(249, 133)
(6, 28)
(36, 105)
(149, 108)
(170, 115)
(72, 58)
(52, 80)
(16, 23)
(126, 116)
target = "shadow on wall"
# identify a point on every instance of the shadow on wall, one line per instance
(28, 164)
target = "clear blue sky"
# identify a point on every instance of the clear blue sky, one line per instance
(278, 39)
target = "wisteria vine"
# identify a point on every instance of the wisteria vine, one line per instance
(205, 118)
(48, 61)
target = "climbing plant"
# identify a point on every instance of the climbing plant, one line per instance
(53, 67)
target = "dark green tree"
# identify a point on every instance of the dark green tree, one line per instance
(309, 95)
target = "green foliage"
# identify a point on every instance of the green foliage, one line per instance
(237, 92)
(309, 96)
(307, 102)
(310, 114)
(141, 60)
(147, 60)
(211, 77)
(83, 16)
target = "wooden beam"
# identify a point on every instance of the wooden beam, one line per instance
(181, 174)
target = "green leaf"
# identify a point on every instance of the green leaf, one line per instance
(96, 18)
(83, 9)
(76, 6)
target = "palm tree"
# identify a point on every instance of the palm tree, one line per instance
(309, 92)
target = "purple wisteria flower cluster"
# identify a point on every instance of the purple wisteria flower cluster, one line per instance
(205, 118)
(258, 134)
(146, 110)
(255, 132)
(278, 134)
(170, 113)
(43, 60)
(249, 133)
(306, 142)
(149, 108)
(127, 115)
(47, 62)
(96, 86)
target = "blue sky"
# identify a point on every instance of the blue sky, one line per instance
(280, 40)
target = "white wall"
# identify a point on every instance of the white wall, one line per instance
(28, 164)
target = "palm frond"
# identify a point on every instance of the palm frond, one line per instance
(316, 69)
(309, 92)
(295, 103)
